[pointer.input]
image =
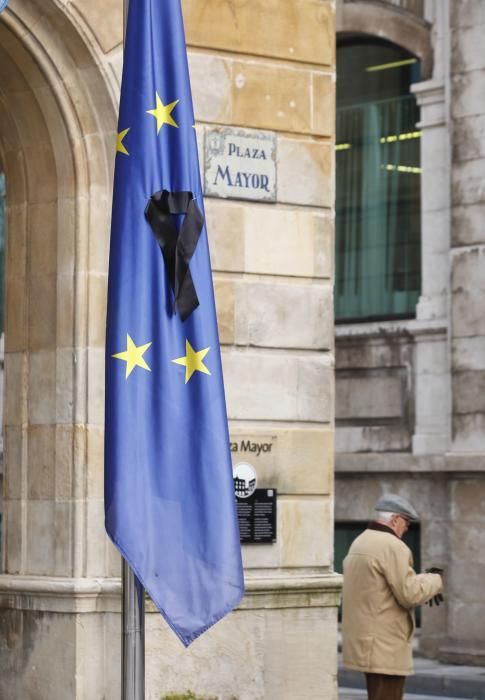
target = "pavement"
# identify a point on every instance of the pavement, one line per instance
(431, 681)
(353, 694)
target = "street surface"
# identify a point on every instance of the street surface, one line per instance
(352, 694)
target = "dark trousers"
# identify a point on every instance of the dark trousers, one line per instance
(383, 687)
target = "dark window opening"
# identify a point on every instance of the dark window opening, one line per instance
(378, 202)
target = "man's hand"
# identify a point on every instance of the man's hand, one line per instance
(438, 598)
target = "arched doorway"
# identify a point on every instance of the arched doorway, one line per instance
(57, 119)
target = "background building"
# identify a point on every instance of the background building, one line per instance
(263, 65)
(410, 278)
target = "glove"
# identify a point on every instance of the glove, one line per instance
(438, 598)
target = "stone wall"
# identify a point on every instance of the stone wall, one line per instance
(257, 65)
(436, 457)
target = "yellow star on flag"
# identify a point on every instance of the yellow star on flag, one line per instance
(162, 113)
(120, 146)
(192, 361)
(133, 356)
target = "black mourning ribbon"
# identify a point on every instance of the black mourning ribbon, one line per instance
(177, 249)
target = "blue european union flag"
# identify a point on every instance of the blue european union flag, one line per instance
(169, 494)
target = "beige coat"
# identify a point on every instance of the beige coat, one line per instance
(381, 590)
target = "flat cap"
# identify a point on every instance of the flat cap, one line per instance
(392, 503)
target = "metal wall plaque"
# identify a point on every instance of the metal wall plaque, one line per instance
(257, 517)
(240, 163)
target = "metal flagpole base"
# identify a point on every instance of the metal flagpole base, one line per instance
(133, 686)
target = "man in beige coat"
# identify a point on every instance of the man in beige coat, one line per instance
(381, 590)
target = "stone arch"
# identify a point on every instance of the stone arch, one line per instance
(389, 22)
(57, 122)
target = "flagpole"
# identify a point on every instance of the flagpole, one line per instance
(133, 680)
(133, 614)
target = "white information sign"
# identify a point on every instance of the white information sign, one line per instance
(240, 163)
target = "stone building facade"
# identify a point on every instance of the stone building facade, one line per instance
(410, 405)
(258, 65)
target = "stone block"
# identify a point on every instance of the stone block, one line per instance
(94, 435)
(304, 173)
(108, 33)
(468, 391)
(467, 48)
(269, 240)
(97, 298)
(225, 227)
(465, 620)
(269, 96)
(283, 241)
(293, 674)
(468, 137)
(287, 315)
(323, 104)
(467, 499)
(467, 96)
(376, 394)
(96, 543)
(298, 461)
(69, 443)
(467, 224)
(41, 449)
(467, 182)
(211, 79)
(42, 311)
(13, 458)
(71, 321)
(42, 388)
(65, 396)
(372, 438)
(16, 378)
(43, 239)
(306, 531)
(468, 353)
(268, 386)
(40, 543)
(300, 31)
(468, 432)
(468, 13)
(224, 294)
(13, 519)
(95, 400)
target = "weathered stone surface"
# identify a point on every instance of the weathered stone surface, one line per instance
(469, 391)
(210, 78)
(323, 104)
(304, 172)
(300, 460)
(300, 519)
(268, 96)
(466, 48)
(468, 353)
(468, 182)
(468, 138)
(356, 395)
(300, 31)
(255, 389)
(469, 13)
(468, 224)
(242, 239)
(468, 431)
(466, 95)
(466, 281)
(108, 33)
(274, 315)
(224, 294)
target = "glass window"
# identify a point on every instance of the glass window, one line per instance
(378, 223)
